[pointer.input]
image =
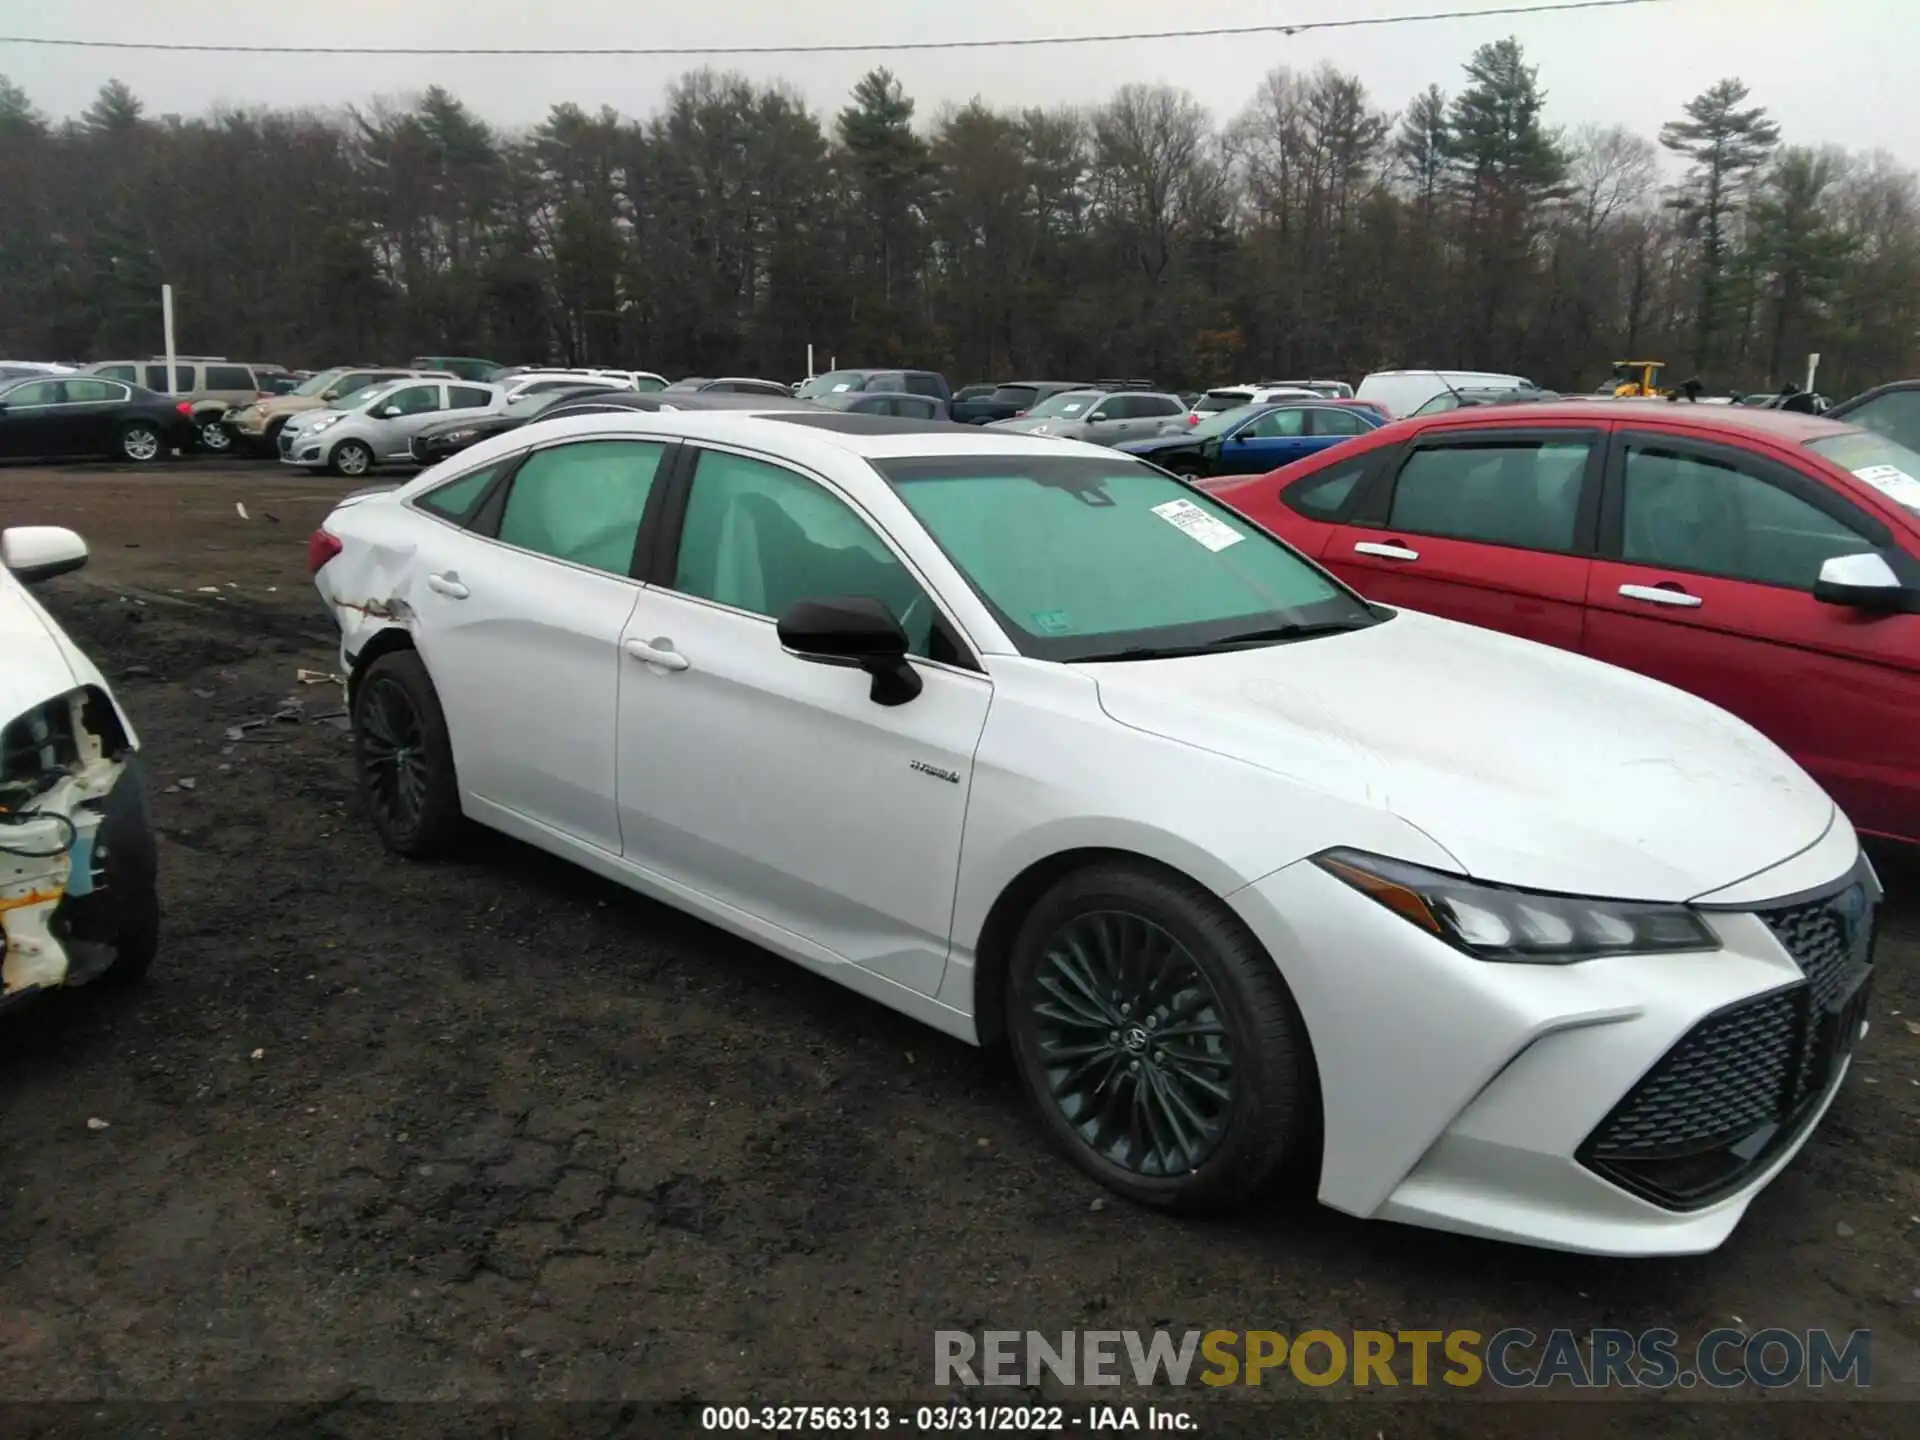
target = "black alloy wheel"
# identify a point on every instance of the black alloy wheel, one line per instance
(393, 753)
(1138, 1056)
(404, 757)
(1158, 1040)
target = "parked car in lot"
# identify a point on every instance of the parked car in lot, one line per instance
(379, 427)
(90, 416)
(620, 402)
(1767, 561)
(1254, 439)
(883, 402)
(1009, 401)
(464, 367)
(1233, 397)
(256, 426)
(1890, 410)
(1328, 389)
(210, 385)
(1405, 391)
(912, 382)
(1226, 853)
(973, 392)
(546, 382)
(78, 895)
(466, 428)
(727, 385)
(1101, 417)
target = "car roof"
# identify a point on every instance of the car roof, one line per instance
(797, 431)
(1790, 426)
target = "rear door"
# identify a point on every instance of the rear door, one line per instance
(1493, 527)
(95, 410)
(1708, 557)
(1330, 425)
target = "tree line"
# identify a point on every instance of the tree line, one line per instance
(1312, 233)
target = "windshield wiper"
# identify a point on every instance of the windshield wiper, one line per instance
(1277, 634)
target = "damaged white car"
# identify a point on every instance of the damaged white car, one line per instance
(78, 900)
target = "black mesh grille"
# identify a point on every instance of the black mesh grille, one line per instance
(1744, 1081)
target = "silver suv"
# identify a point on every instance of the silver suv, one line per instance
(376, 426)
(1105, 417)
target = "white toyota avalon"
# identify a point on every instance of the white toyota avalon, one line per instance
(1031, 741)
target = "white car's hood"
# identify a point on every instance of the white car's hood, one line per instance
(1530, 765)
(34, 665)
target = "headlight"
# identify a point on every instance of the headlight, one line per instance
(1496, 922)
(318, 425)
(456, 435)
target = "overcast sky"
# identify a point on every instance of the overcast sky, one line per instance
(1828, 71)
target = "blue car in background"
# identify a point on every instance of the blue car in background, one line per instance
(1253, 439)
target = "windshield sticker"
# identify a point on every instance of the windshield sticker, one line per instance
(844, 385)
(1198, 524)
(1052, 622)
(1892, 482)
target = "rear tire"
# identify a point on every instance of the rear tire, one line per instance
(216, 438)
(352, 458)
(1158, 1040)
(141, 442)
(404, 759)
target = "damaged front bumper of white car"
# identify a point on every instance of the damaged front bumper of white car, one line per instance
(77, 864)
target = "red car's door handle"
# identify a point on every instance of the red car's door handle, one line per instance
(1389, 551)
(1666, 594)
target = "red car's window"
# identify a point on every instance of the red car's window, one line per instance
(1521, 493)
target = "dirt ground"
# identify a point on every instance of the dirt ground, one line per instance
(497, 1133)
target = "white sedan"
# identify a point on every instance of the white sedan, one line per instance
(1033, 742)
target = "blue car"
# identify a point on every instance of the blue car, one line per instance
(1253, 439)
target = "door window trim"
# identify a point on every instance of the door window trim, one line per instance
(658, 570)
(1756, 466)
(1374, 510)
(1381, 460)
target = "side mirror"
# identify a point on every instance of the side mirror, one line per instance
(390, 412)
(1098, 416)
(858, 633)
(39, 552)
(1240, 437)
(1865, 582)
(332, 394)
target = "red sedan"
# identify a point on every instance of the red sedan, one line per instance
(1767, 561)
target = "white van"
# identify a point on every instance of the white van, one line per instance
(1405, 391)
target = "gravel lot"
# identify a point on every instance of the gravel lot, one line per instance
(496, 1132)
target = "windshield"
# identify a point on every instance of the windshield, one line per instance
(1067, 405)
(834, 382)
(1105, 558)
(318, 383)
(366, 395)
(1221, 421)
(1886, 465)
(1215, 400)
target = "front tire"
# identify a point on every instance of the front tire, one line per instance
(351, 458)
(141, 442)
(404, 758)
(1162, 1048)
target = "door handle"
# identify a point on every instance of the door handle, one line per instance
(658, 652)
(1385, 551)
(448, 585)
(1662, 595)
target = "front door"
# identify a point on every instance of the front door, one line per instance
(403, 414)
(37, 421)
(1266, 442)
(778, 786)
(1706, 581)
(1490, 527)
(519, 621)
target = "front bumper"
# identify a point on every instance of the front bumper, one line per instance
(1624, 1106)
(301, 449)
(65, 918)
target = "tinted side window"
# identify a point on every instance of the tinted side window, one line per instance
(1685, 511)
(920, 382)
(230, 377)
(455, 499)
(127, 373)
(582, 502)
(1156, 405)
(1276, 425)
(35, 392)
(157, 378)
(1895, 415)
(409, 400)
(1523, 493)
(85, 391)
(1335, 422)
(467, 397)
(759, 537)
(1324, 495)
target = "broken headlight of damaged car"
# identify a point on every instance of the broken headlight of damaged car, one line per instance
(77, 899)
(1497, 922)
